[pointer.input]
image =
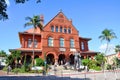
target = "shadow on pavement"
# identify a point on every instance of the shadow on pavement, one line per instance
(39, 78)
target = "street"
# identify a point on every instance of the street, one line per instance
(63, 75)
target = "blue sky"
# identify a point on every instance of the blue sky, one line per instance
(90, 17)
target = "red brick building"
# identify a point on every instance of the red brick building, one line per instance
(59, 40)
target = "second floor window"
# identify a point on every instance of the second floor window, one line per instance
(72, 43)
(52, 28)
(35, 43)
(82, 45)
(56, 28)
(29, 43)
(50, 41)
(61, 42)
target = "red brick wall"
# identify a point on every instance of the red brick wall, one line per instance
(25, 40)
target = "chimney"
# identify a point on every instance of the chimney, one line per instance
(70, 20)
(42, 19)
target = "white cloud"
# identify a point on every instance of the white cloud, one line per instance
(7, 2)
(110, 50)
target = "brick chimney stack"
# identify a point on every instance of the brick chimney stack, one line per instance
(70, 20)
(42, 19)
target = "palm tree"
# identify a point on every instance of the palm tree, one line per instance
(13, 58)
(107, 35)
(100, 58)
(35, 22)
(16, 57)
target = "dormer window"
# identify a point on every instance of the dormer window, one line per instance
(52, 28)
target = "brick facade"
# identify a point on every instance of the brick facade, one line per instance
(62, 28)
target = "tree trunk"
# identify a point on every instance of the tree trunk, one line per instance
(106, 47)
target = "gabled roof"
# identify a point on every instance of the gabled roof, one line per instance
(60, 13)
(37, 31)
(29, 32)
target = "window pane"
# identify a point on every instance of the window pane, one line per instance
(50, 41)
(65, 30)
(29, 43)
(69, 30)
(52, 28)
(61, 42)
(82, 45)
(71, 43)
(61, 29)
(56, 28)
(35, 43)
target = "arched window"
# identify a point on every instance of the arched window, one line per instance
(29, 43)
(56, 28)
(72, 43)
(61, 42)
(52, 28)
(35, 43)
(61, 29)
(50, 41)
(82, 45)
(69, 30)
(65, 30)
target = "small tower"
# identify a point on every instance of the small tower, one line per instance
(42, 19)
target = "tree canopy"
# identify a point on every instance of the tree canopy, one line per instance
(3, 8)
(107, 35)
(3, 53)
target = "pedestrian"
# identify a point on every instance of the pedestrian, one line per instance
(8, 69)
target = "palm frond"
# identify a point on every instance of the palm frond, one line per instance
(28, 24)
(28, 18)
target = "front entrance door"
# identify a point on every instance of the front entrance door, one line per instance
(71, 59)
(61, 59)
(50, 59)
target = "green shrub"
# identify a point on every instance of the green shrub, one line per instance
(85, 62)
(5, 68)
(97, 68)
(108, 67)
(39, 62)
(16, 70)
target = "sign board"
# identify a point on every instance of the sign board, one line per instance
(73, 49)
(62, 49)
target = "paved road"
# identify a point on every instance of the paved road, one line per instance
(63, 75)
